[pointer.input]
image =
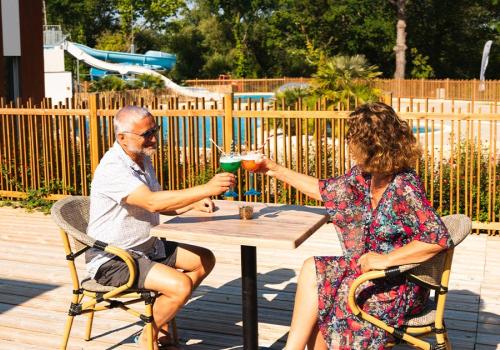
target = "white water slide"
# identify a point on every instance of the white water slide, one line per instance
(77, 52)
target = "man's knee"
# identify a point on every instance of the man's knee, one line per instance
(183, 287)
(208, 261)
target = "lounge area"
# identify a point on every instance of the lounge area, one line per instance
(35, 292)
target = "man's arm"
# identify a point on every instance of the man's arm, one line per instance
(167, 201)
(205, 205)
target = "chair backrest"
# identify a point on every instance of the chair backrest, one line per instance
(71, 214)
(430, 272)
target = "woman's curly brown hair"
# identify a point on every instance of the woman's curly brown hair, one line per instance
(380, 141)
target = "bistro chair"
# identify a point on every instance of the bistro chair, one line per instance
(434, 274)
(71, 214)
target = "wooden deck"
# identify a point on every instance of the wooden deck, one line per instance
(35, 293)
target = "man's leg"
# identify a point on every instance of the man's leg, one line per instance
(175, 288)
(196, 262)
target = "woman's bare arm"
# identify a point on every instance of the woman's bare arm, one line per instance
(413, 252)
(304, 183)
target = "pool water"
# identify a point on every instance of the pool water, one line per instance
(254, 97)
(423, 129)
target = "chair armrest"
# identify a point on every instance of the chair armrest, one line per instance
(123, 255)
(377, 274)
(129, 261)
(127, 258)
(373, 275)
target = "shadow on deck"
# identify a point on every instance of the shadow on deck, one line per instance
(35, 292)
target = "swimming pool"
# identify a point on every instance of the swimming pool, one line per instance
(423, 129)
(254, 97)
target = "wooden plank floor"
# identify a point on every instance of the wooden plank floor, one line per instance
(35, 293)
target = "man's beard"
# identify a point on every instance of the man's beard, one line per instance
(148, 151)
(143, 151)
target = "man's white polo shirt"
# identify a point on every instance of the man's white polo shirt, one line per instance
(113, 221)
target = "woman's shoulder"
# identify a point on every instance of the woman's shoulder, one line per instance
(408, 183)
(407, 177)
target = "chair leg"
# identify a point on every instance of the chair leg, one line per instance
(88, 330)
(447, 341)
(173, 327)
(149, 326)
(67, 330)
(442, 340)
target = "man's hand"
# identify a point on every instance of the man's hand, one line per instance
(206, 205)
(372, 261)
(220, 183)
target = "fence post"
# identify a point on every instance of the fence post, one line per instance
(94, 133)
(388, 98)
(228, 122)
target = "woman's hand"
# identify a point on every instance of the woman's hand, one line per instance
(266, 166)
(206, 205)
(304, 183)
(372, 261)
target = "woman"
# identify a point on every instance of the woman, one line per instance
(383, 219)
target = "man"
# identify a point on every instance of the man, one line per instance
(125, 202)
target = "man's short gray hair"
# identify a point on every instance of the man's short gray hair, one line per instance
(127, 117)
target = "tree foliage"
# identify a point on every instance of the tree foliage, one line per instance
(421, 69)
(108, 83)
(344, 79)
(272, 38)
(84, 21)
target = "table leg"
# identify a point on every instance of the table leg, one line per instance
(249, 297)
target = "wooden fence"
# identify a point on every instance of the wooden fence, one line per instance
(55, 150)
(471, 90)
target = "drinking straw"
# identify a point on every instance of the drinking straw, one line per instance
(265, 142)
(216, 145)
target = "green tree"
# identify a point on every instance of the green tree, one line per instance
(112, 41)
(421, 69)
(84, 21)
(135, 15)
(108, 83)
(344, 79)
(400, 48)
(147, 81)
(452, 34)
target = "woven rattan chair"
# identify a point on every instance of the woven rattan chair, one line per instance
(434, 274)
(72, 215)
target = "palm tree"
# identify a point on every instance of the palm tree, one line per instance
(345, 79)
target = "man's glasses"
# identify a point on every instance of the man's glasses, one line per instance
(146, 134)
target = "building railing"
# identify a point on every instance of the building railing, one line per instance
(57, 149)
(53, 35)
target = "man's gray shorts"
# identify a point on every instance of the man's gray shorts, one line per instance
(115, 272)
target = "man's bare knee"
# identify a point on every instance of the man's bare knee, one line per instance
(208, 261)
(183, 287)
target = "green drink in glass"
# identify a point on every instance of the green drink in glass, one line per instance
(230, 163)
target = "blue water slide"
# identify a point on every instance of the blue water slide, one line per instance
(151, 59)
(143, 64)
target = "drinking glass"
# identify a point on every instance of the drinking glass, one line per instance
(230, 163)
(249, 162)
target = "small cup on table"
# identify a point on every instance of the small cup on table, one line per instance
(246, 212)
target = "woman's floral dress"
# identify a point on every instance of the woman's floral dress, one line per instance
(402, 215)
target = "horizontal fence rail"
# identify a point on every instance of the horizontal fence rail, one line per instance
(53, 151)
(473, 90)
